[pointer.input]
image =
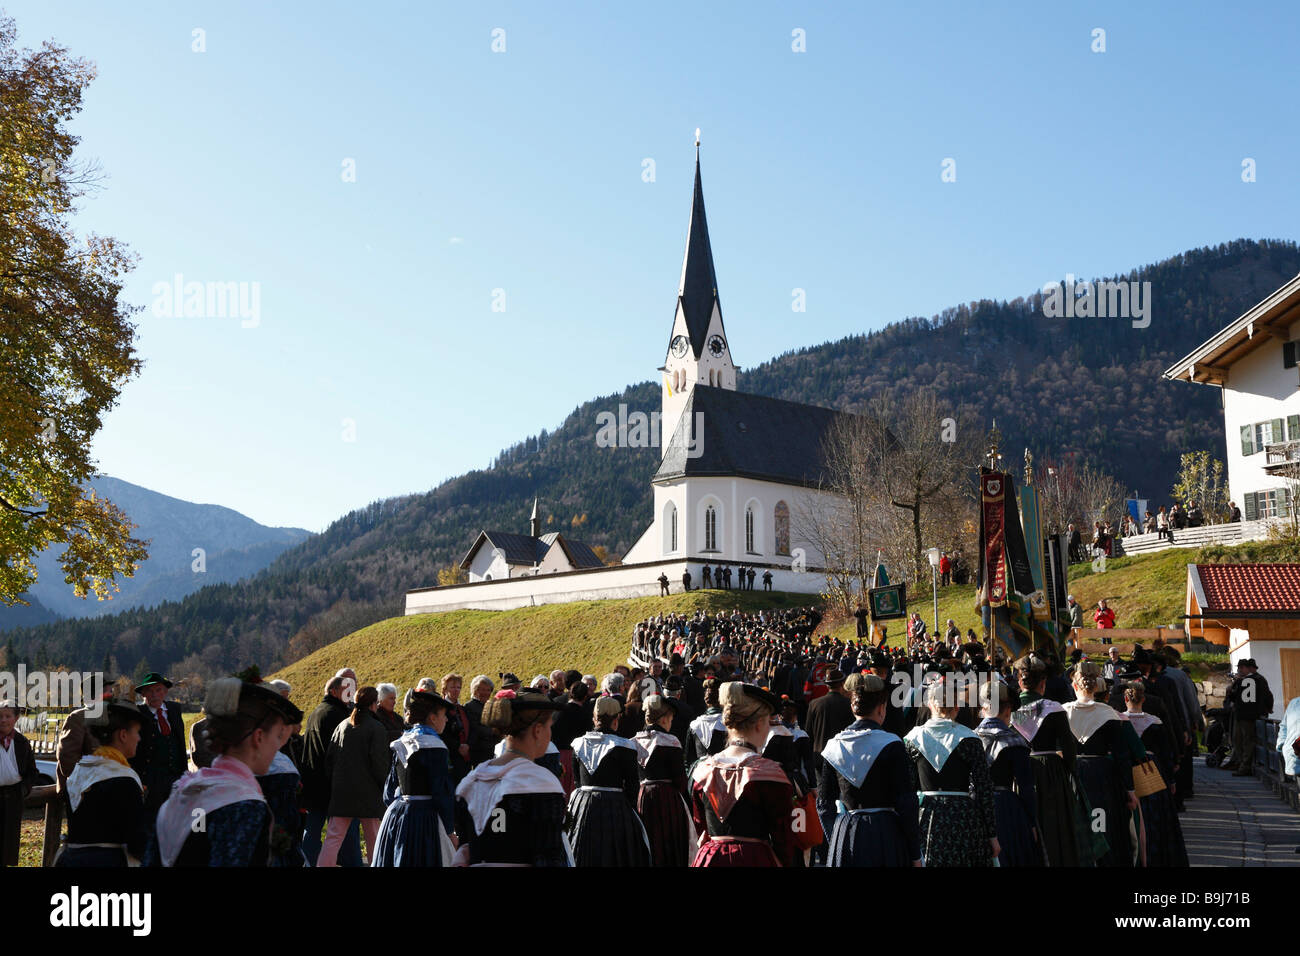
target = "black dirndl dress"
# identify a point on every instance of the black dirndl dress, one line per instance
(604, 829)
(661, 799)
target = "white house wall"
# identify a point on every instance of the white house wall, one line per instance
(1259, 389)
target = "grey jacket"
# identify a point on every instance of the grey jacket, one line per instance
(358, 759)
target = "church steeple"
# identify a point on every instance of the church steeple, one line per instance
(698, 290)
(698, 352)
(535, 522)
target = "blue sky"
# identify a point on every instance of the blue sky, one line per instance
(522, 170)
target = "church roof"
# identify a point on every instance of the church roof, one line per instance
(699, 286)
(524, 549)
(750, 436)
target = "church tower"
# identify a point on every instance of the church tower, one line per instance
(698, 350)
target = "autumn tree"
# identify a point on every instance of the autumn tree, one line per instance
(1201, 480)
(67, 344)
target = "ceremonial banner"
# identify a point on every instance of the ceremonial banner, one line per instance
(993, 563)
(1029, 515)
(888, 602)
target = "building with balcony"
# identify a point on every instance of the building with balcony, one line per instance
(1253, 361)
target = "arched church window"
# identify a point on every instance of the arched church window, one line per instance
(749, 530)
(781, 527)
(710, 529)
(672, 527)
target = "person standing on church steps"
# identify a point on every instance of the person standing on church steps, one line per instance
(706, 577)
(686, 580)
(750, 572)
(663, 583)
(767, 580)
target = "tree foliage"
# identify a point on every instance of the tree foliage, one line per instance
(64, 334)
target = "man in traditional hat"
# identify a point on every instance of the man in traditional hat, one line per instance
(161, 758)
(17, 777)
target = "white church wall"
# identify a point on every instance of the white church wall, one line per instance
(554, 560)
(487, 562)
(627, 581)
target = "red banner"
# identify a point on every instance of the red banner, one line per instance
(993, 491)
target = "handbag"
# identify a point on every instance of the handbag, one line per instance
(1147, 779)
(810, 834)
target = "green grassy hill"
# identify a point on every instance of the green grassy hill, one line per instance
(591, 636)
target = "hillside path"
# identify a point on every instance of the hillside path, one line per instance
(1236, 821)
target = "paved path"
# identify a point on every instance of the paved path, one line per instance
(1236, 821)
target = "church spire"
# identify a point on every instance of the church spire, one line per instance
(698, 290)
(535, 522)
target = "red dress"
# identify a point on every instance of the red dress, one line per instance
(744, 808)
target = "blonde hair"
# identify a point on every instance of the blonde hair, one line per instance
(442, 685)
(739, 710)
(1087, 675)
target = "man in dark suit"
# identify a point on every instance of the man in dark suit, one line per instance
(827, 716)
(674, 687)
(17, 777)
(161, 758)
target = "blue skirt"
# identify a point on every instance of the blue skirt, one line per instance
(411, 834)
(867, 838)
(1015, 833)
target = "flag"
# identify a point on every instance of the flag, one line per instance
(881, 577)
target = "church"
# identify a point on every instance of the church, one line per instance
(738, 478)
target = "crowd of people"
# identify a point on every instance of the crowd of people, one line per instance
(744, 740)
(1164, 522)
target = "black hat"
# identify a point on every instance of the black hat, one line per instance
(115, 708)
(1247, 662)
(533, 700)
(230, 695)
(508, 680)
(1141, 655)
(430, 698)
(151, 678)
(834, 676)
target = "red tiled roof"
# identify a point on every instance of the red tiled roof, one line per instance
(1250, 587)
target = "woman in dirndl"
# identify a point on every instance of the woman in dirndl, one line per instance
(604, 829)
(707, 734)
(661, 801)
(1164, 834)
(1042, 722)
(1104, 762)
(247, 725)
(107, 825)
(741, 801)
(421, 816)
(872, 785)
(1012, 771)
(510, 810)
(954, 788)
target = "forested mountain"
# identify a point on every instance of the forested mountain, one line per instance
(1088, 387)
(231, 546)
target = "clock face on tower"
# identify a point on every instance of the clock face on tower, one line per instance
(678, 346)
(717, 346)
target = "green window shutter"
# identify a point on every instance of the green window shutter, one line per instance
(1247, 440)
(1252, 512)
(1277, 430)
(1293, 427)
